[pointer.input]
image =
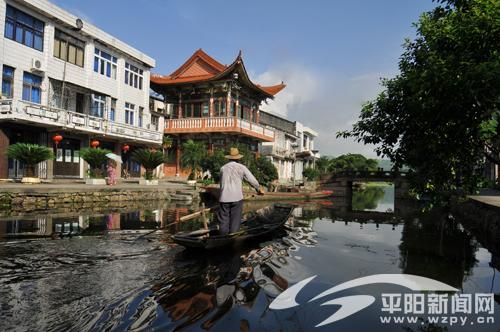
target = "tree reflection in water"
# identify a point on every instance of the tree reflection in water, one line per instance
(366, 198)
(436, 246)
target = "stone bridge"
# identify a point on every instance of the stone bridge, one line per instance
(341, 184)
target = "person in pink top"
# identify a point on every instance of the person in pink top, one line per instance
(111, 170)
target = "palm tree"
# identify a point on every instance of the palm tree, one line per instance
(30, 154)
(322, 164)
(96, 158)
(192, 156)
(149, 159)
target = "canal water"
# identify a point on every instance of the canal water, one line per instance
(100, 270)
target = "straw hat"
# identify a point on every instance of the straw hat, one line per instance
(234, 154)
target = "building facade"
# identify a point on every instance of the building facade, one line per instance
(292, 149)
(62, 76)
(213, 103)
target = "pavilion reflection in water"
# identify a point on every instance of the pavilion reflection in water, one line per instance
(213, 284)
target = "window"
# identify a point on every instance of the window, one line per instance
(7, 81)
(155, 120)
(105, 63)
(23, 28)
(98, 105)
(31, 88)
(141, 115)
(205, 110)
(196, 110)
(129, 113)
(232, 108)
(68, 48)
(133, 76)
(112, 111)
(220, 107)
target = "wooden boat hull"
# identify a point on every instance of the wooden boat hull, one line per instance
(254, 225)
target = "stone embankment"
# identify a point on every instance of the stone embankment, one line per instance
(32, 198)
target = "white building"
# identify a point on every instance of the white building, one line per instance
(306, 154)
(63, 76)
(293, 148)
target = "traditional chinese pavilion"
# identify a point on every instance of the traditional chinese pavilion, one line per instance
(212, 102)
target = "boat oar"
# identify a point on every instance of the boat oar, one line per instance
(182, 219)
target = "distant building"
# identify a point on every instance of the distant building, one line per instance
(67, 77)
(214, 103)
(292, 149)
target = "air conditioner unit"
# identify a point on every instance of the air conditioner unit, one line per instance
(37, 65)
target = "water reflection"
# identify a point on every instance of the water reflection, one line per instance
(118, 281)
(94, 222)
(436, 246)
(210, 287)
(373, 197)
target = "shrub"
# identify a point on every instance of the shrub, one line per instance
(149, 159)
(30, 154)
(96, 158)
(310, 173)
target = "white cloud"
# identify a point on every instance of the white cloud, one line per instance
(324, 101)
(302, 87)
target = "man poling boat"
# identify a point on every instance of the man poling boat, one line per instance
(254, 225)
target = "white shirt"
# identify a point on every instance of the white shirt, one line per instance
(232, 175)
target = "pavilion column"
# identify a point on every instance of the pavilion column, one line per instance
(257, 116)
(179, 109)
(211, 107)
(178, 157)
(228, 102)
(211, 104)
(210, 145)
(237, 106)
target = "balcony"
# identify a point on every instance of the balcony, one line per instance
(268, 150)
(218, 125)
(23, 111)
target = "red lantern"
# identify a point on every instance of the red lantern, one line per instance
(57, 139)
(95, 143)
(125, 148)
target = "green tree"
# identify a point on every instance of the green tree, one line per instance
(352, 162)
(29, 154)
(192, 156)
(264, 170)
(149, 159)
(310, 173)
(96, 158)
(214, 162)
(440, 115)
(323, 164)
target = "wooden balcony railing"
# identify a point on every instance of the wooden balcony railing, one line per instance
(218, 124)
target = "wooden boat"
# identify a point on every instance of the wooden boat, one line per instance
(274, 196)
(254, 224)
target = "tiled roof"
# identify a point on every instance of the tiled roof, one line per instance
(201, 67)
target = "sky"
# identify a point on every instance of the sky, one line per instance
(330, 53)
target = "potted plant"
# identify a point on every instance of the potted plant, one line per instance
(149, 159)
(30, 155)
(193, 154)
(96, 158)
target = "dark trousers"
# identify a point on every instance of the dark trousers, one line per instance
(230, 216)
